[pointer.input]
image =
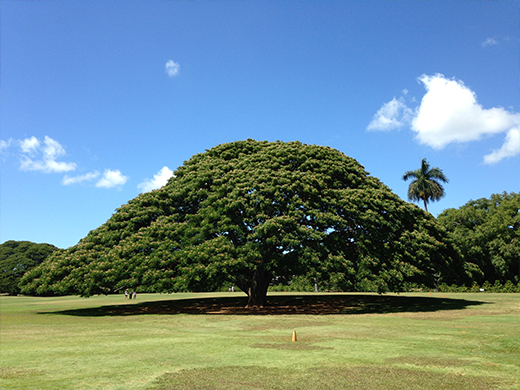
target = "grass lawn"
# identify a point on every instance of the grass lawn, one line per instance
(208, 341)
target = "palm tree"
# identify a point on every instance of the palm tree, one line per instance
(425, 184)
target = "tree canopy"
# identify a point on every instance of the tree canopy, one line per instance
(18, 257)
(247, 212)
(487, 232)
(425, 183)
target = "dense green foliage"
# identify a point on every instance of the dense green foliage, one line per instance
(248, 212)
(497, 287)
(487, 232)
(425, 183)
(18, 257)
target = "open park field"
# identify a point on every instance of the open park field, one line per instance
(208, 341)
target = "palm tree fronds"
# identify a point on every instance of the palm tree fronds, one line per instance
(425, 186)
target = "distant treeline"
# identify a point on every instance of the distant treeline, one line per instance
(18, 257)
(497, 287)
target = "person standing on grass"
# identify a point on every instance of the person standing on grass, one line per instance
(134, 295)
(126, 294)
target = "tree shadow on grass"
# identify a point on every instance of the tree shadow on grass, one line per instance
(320, 304)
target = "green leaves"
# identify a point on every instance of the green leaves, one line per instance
(425, 183)
(17, 258)
(488, 234)
(247, 212)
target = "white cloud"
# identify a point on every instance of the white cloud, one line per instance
(392, 115)
(449, 112)
(172, 68)
(511, 147)
(38, 157)
(112, 179)
(4, 145)
(78, 179)
(159, 180)
(30, 145)
(489, 42)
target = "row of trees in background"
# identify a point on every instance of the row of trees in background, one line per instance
(18, 257)
(487, 232)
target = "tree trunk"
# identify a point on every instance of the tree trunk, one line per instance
(425, 205)
(257, 290)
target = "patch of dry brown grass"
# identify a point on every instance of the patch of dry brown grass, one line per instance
(323, 378)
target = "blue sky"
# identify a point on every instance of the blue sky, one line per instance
(102, 100)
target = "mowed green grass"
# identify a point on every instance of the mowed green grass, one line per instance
(184, 341)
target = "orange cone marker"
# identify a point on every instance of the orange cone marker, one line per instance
(294, 336)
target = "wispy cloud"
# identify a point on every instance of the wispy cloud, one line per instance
(172, 68)
(43, 157)
(489, 42)
(111, 179)
(510, 148)
(80, 178)
(392, 115)
(449, 113)
(4, 145)
(159, 180)
(500, 41)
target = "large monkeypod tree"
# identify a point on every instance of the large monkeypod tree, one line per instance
(249, 212)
